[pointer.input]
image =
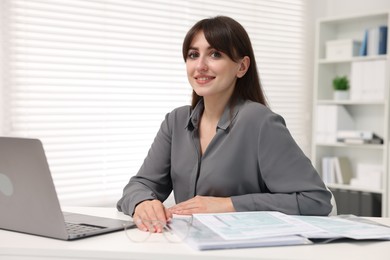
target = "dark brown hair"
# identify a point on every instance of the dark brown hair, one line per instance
(228, 36)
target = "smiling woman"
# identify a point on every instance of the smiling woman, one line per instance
(212, 73)
(228, 151)
(218, 49)
(93, 79)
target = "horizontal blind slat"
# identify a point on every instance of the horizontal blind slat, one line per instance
(94, 79)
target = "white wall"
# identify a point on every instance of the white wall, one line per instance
(331, 8)
(345, 7)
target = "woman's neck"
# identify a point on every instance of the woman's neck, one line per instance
(213, 109)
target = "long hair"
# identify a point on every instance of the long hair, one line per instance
(228, 36)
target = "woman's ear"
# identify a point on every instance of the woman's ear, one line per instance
(244, 66)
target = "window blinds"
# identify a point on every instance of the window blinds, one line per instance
(93, 79)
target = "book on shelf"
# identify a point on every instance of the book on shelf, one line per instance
(363, 47)
(343, 170)
(358, 137)
(362, 141)
(328, 175)
(336, 170)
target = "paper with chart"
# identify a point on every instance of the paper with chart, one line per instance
(266, 228)
(249, 225)
(257, 224)
(343, 227)
(201, 237)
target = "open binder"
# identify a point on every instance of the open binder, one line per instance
(267, 228)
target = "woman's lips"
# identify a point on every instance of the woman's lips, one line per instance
(204, 79)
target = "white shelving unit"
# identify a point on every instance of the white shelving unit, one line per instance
(369, 115)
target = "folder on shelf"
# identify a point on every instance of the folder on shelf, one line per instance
(330, 119)
(361, 203)
(366, 135)
(354, 202)
(373, 41)
(343, 202)
(382, 49)
(368, 80)
(377, 40)
(370, 205)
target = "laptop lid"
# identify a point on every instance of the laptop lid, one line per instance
(28, 199)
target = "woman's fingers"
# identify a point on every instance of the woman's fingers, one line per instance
(150, 216)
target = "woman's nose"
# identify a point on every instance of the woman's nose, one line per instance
(202, 64)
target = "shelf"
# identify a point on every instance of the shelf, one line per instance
(360, 146)
(353, 59)
(355, 188)
(366, 110)
(350, 102)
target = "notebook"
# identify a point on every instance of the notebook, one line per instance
(28, 199)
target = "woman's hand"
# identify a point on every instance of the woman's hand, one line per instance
(202, 204)
(147, 212)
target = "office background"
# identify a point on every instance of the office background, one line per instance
(94, 79)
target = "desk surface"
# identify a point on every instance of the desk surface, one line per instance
(116, 246)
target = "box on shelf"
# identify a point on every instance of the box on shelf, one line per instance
(342, 49)
(368, 176)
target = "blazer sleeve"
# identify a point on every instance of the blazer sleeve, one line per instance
(153, 180)
(293, 185)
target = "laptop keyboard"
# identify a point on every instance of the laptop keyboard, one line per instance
(73, 228)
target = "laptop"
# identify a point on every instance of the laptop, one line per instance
(28, 199)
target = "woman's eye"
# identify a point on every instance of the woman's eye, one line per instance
(216, 54)
(193, 55)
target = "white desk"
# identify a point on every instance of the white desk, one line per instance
(17, 246)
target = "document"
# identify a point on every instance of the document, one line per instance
(256, 224)
(268, 228)
(201, 237)
(340, 227)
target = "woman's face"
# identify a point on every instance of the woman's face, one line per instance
(211, 73)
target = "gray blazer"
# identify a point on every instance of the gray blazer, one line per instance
(252, 158)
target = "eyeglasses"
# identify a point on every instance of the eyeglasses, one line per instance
(176, 231)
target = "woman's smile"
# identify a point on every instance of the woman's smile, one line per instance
(203, 79)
